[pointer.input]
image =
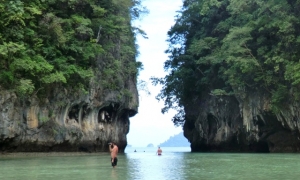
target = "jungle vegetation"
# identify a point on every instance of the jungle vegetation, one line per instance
(231, 47)
(48, 43)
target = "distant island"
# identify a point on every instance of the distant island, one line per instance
(176, 141)
(150, 145)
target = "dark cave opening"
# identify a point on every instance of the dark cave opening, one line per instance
(74, 114)
(107, 113)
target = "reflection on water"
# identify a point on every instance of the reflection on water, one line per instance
(150, 166)
(174, 164)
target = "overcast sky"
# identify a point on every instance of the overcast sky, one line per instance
(150, 125)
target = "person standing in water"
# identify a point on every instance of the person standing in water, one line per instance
(113, 148)
(159, 151)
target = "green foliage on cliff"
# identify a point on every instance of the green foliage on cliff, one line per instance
(57, 42)
(232, 47)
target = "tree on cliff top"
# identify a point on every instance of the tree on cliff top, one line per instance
(57, 42)
(232, 47)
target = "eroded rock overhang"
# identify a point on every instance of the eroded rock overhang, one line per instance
(62, 122)
(242, 124)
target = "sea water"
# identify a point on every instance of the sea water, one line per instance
(144, 164)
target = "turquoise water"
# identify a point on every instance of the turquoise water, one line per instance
(174, 164)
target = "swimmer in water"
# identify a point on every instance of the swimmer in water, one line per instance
(159, 151)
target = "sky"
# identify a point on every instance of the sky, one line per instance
(150, 125)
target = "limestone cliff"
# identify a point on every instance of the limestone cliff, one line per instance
(67, 121)
(242, 123)
(68, 74)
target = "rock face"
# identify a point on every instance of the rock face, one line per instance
(242, 123)
(67, 121)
